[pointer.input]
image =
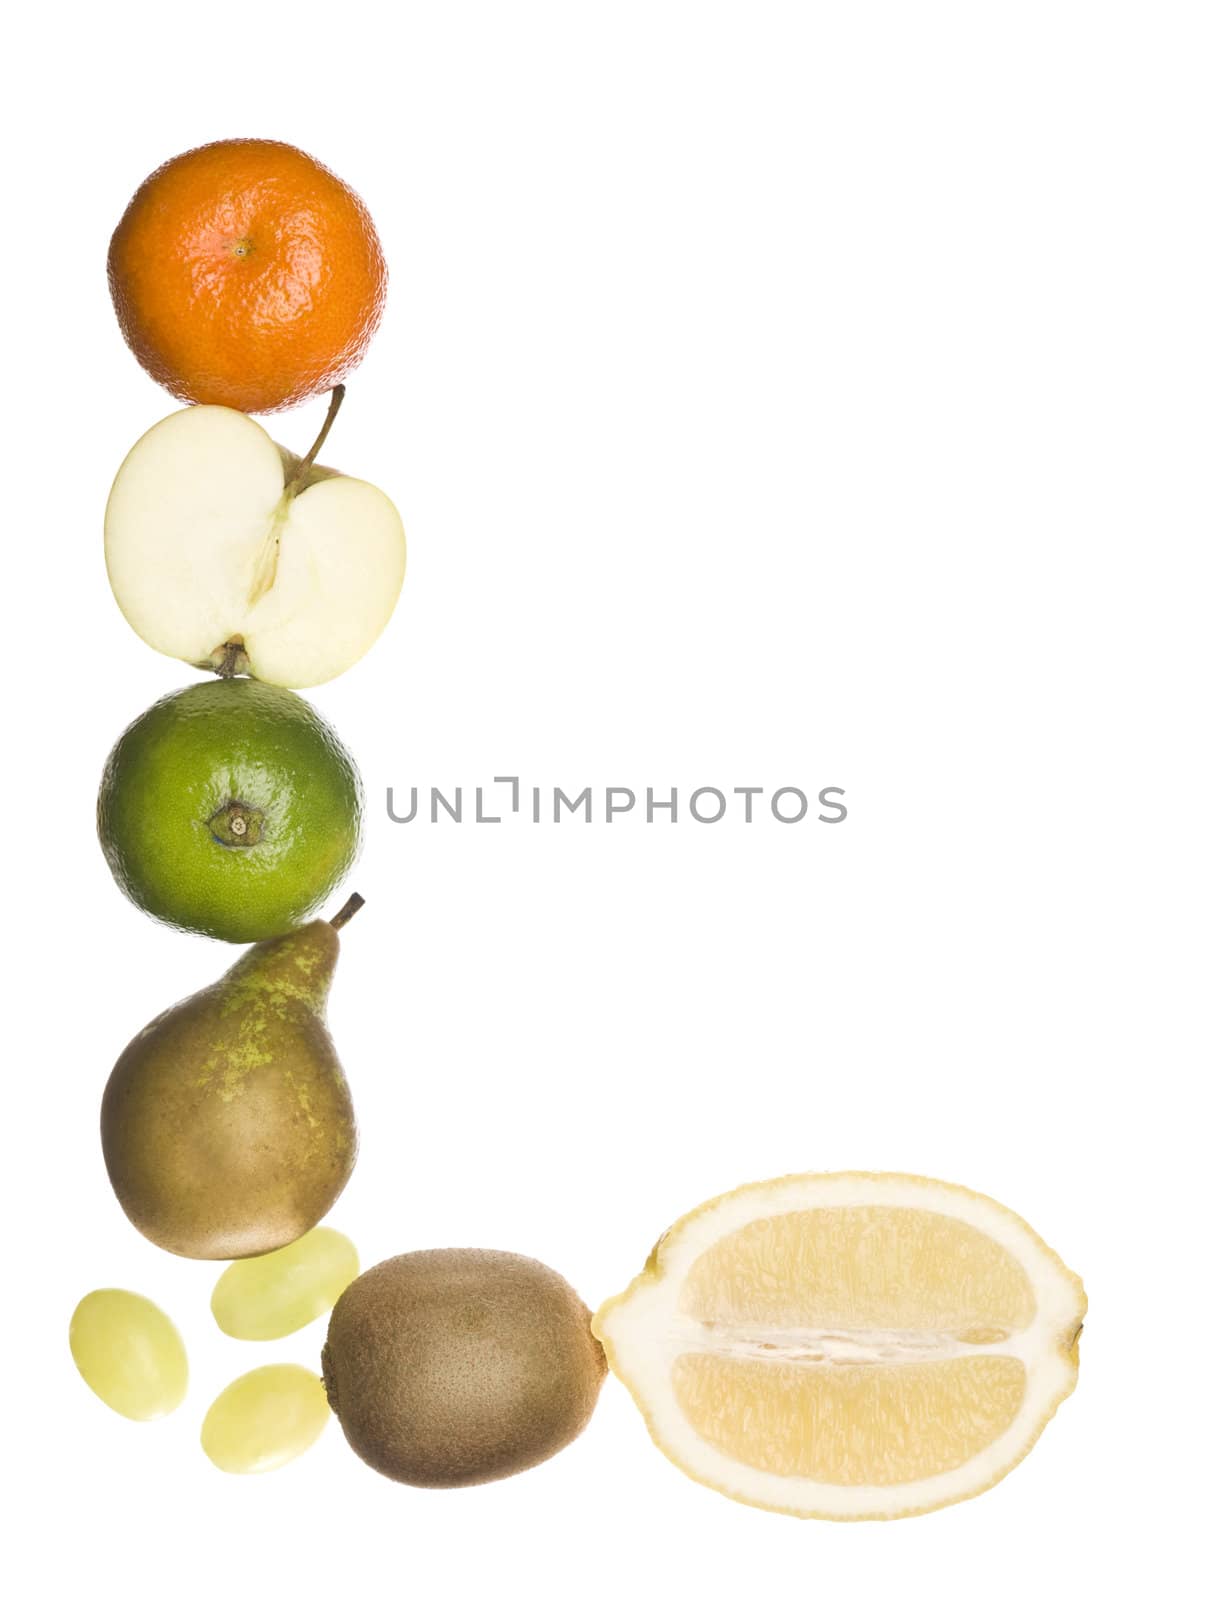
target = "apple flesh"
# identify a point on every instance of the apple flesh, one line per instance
(223, 550)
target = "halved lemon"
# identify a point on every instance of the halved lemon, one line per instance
(847, 1345)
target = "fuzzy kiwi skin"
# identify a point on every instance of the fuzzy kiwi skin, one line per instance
(456, 1367)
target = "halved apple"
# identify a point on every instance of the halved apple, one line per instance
(227, 551)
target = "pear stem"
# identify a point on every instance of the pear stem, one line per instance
(308, 460)
(350, 908)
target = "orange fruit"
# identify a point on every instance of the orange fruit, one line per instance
(246, 274)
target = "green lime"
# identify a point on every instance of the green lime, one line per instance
(230, 808)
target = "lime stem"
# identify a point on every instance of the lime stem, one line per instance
(308, 460)
(237, 824)
(350, 908)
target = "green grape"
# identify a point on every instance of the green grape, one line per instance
(265, 1419)
(129, 1352)
(267, 1297)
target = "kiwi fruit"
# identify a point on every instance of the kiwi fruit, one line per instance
(455, 1367)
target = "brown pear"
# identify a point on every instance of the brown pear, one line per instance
(227, 1124)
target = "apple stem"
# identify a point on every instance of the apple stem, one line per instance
(233, 659)
(308, 460)
(351, 906)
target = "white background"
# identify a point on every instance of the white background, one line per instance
(814, 394)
